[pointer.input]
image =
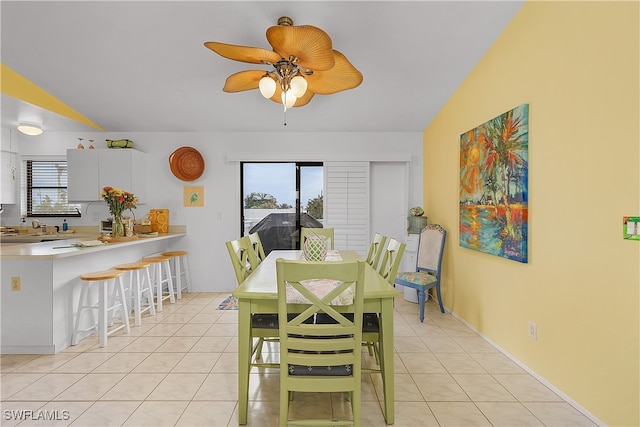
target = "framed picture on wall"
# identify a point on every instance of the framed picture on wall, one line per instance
(494, 171)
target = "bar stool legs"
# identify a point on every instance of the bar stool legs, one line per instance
(161, 275)
(180, 270)
(139, 285)
(105, 306)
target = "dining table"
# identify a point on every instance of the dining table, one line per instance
(258, 294)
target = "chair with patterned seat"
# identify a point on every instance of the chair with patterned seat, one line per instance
(388, 269)
(264, 326)
(320, 357)
(428, 266)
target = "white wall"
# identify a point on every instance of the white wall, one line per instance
(219, 221)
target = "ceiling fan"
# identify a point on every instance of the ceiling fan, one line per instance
(303, 60)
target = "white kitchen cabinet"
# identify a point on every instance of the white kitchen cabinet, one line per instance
(89, 171)
(9, 168)
(9, 178)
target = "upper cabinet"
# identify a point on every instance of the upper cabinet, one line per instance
(9, 168)
(89, 171)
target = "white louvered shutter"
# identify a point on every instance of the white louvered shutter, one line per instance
(346, 204)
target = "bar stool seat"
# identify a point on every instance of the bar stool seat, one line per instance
(161, 274)
(139, 285)
(105, 306)
(180, 269)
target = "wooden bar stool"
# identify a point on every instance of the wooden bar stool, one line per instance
(161, 274)
(180, 266)
(139, 285)
(105, 306)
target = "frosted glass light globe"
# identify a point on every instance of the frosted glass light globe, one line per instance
(298, 86)
(267, 86)
(288, 98)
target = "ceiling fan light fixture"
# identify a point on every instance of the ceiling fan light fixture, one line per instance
(298, 86)
(288, 99)
(267, 86)
(30, 129)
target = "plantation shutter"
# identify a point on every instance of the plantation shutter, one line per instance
(346, 201)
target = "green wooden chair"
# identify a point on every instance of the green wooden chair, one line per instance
(388, 269)
(327, 232)
(264, 327)
(258, 250)
(317, 357)
(375, 249)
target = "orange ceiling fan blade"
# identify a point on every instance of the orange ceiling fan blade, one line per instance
(252, 55)
(311, 45)
(243, 80)
(343, 76)
(304, 100)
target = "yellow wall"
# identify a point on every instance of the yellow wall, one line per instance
(577, 66)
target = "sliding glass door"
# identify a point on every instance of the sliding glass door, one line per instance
(279, 198)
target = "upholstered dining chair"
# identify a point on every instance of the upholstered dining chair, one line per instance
(375, 249)
(317, 357)
(388, 269)
(264, 327)
(428, 266)
(327, 232)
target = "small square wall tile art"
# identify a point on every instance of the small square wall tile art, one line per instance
(494, 165)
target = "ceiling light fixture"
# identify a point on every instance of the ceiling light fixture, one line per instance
(30, 129)
(304, 64)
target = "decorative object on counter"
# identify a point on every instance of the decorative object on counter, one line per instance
(118, 201)
(119, 143)
(91, 147)
(80, 146)
(193, 197)
(65, 225)
(159, 220)
(416, 221)
(315, 247)
(186, 163)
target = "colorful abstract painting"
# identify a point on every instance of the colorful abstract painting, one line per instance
(494, 165)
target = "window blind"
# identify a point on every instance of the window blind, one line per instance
(45, 192)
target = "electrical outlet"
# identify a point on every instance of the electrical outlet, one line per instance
(15, 284)
(533, 330)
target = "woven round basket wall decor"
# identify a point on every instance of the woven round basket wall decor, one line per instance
(186, 164)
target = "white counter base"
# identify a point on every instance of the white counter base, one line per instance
(39, 318)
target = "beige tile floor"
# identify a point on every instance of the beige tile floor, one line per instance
(179, 369)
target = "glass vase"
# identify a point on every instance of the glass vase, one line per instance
(117, 227)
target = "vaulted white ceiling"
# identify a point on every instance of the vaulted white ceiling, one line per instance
(142, 66)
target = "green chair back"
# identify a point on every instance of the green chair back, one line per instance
(239, 251)
(375, 249)
(258, 249)
(391, 260)
(320, 357)
(327, 232)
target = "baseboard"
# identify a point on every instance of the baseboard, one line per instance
(530, 371)
(27, 349)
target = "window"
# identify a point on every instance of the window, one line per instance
(45, 190)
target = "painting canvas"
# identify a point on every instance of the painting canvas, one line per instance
(494, 186)
(193, 196)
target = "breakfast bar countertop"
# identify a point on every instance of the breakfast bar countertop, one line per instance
(64, 248)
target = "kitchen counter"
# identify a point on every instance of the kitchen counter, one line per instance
(58, 248)
(38, 314)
